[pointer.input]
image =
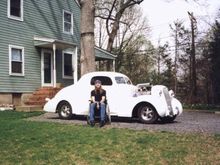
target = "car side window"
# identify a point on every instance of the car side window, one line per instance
(104, 79)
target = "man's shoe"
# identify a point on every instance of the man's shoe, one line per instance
(92, 123)
(102, 123)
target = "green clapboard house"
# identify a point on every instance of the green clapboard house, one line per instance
(39, 48)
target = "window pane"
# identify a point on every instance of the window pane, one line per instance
(16, 54)
(16, 67)
(15, 8)
(68, 71)
(105, 80)
(67, 17)
(47, 68)
(67, 27)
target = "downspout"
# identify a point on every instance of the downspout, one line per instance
(75, 70)
(54, 66)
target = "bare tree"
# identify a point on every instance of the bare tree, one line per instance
(87, 59)
(112, 12)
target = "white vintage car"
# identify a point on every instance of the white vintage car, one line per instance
(145, 102)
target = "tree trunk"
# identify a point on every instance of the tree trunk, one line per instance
(87, 59)
(193, 90)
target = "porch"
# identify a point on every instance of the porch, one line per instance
(59, 61)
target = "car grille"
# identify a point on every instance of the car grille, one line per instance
(168, 100)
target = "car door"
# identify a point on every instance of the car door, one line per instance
(81, 95)
(121, 95)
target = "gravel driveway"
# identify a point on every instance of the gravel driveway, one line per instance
(196, 122)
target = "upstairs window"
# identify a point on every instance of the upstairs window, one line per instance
(67, 65)
(67, 22)
(16, 60)
(15, 9)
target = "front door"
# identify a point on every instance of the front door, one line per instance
(47, 68)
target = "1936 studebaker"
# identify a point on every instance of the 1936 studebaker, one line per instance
(145, 102)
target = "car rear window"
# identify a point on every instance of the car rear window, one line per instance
(104, 79)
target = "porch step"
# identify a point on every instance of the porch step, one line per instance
(38, 97)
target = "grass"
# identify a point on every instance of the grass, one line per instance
(26, 142)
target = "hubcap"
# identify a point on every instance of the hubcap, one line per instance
(65, 110)
(147, 113)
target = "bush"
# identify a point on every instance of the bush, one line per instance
(202, 106)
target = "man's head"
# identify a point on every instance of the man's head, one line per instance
(98, 84)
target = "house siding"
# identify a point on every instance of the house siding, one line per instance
(42, 18)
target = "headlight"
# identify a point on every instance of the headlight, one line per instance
(171, 92)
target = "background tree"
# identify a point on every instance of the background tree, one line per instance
(214, 50)
(131, 45)
(112, 13)
(164, 70)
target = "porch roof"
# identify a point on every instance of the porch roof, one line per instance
(43, 42)
(102, 54)
(48, 43)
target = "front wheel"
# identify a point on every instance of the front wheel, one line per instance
(147, 114)
(65, 110)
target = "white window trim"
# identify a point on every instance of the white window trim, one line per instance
(71, 32)
(10, 69)
(14, 17)
(64, 76)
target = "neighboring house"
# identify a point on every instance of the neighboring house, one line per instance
(39, 46)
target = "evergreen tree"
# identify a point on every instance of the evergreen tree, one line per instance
(214, 47)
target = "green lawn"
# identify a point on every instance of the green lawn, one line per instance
(26, 142)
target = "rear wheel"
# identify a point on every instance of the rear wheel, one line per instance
(65, 110)
(147, 114)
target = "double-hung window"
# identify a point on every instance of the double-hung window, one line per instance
(15, 9)
(16, 60)
(67, 22)
(67, 65)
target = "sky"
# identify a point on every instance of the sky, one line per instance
(161, 13)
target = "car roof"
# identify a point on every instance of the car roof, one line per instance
(105, 73)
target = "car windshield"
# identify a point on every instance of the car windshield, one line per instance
(128, 81)
(122, 80)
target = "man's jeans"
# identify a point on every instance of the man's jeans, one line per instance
(92, 111)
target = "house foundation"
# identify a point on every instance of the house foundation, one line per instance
(17, 99)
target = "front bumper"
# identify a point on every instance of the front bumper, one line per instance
(176, 107)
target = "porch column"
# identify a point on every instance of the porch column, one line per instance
(113, 65)
(54, 66)
(75, 63)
